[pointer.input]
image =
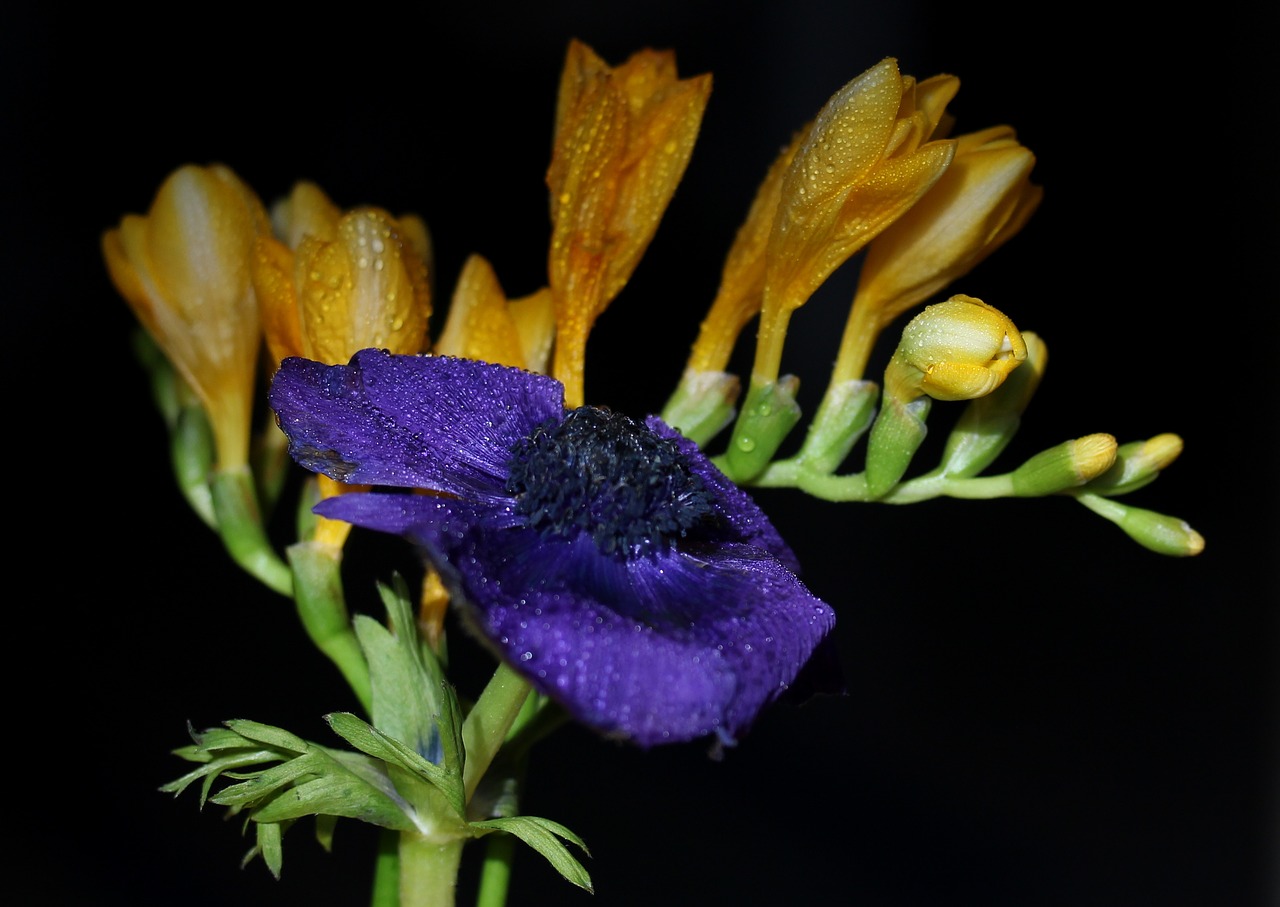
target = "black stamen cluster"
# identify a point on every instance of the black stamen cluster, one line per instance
(606, 474)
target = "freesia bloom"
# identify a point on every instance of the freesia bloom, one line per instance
(623, 137)
(184, 270)
(608, 561)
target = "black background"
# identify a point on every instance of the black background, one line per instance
(1040, 712)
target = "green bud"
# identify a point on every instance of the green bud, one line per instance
(1137, 464)
(1154, 531)
(1067, 465)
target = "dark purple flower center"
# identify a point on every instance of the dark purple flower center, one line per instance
(605, 474)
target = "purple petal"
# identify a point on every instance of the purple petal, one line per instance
(411, 421)
(657, 649)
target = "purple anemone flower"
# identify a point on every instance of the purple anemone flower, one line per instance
(607, 560)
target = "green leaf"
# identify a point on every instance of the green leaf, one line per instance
(369, 739)
(544, 835)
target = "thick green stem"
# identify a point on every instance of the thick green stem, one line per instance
(386, 871)
(429, 870)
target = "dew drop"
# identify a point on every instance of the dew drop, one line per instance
(746, 445)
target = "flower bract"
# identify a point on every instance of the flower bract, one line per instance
(604, 558)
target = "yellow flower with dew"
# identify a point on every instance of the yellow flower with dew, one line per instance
(955, 350)
(350, 283)
(184, 269)
(339, 282)
(623, 138)
(982, 199)
(870, 154)
(867, 158)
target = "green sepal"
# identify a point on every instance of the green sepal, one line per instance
(269, 456)
(840, 422)
(896, 435)
(768, 414)
(191, 454)
(544, 836)
(702, 405)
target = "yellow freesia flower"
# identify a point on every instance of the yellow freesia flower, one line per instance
(623, 137)
(956, 350)
(363, 286)
(865, 161)
(982, 199)
(184, 268)
(336, 283)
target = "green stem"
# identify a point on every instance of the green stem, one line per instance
(322, 608)
(386, 871)
(428, 870)
(488, 722)
(240, 524)
(495, 873)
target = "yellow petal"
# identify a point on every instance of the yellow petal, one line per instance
(185, 270)
(741, 289)
(480, 324)
(366, 288)
(272, 274)
(307, 211)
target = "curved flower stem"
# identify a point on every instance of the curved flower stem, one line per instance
(317, 584)
(240, 524)
(428, 870)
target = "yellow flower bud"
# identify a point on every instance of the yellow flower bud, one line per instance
(956, 350)
(184, 268)
(483, 324)
(1137, 464)
(865, 161)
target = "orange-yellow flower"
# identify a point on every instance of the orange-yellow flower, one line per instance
(352, 282)
(866, 160)
(623, 137)
(338, 282)
(184, 268)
